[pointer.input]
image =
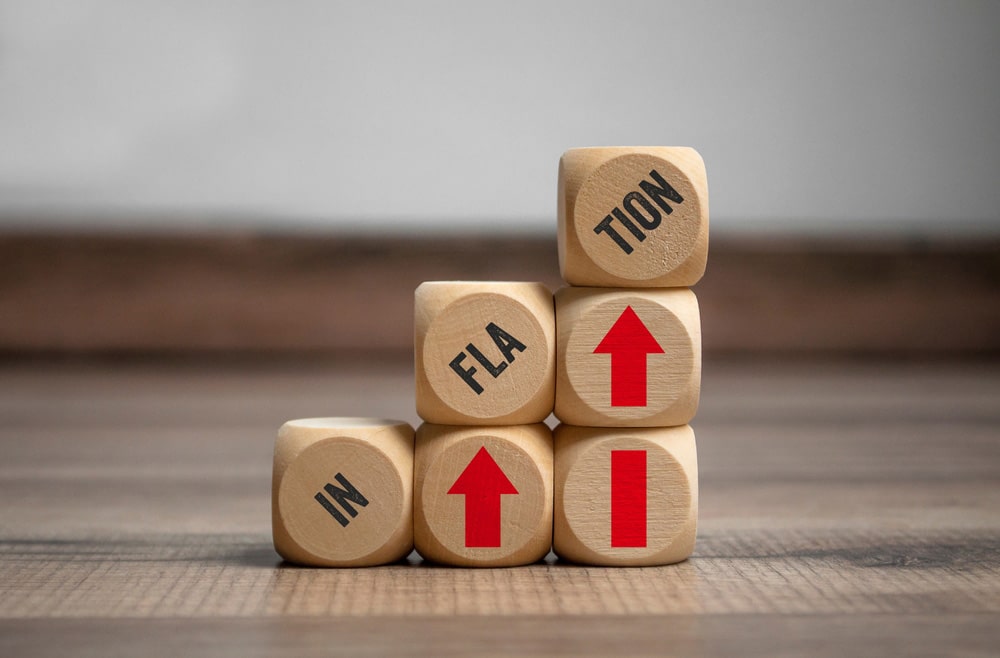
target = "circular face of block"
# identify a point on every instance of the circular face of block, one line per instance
(625, 496)
(485, 352)
(633, 216)
(342, 491)
(627, 357)
(483, 495)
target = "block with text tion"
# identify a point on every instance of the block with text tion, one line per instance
(633, 216)
(483, 495)
(625, 496)
(484, 352)
(342, 491)
(627, 357)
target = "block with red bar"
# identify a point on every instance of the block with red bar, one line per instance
(625, 496)
(483, 495)
(627, 358)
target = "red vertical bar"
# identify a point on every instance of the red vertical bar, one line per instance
(628, 498)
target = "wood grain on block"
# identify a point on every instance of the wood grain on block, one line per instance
(483, 495)
(342, 491)
(627, 357)
(484, 352)
(633, 216)
(625, 496)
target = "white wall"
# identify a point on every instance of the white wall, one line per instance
(812, 116)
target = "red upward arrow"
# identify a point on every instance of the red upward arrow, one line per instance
(482, 482)
(628, 342)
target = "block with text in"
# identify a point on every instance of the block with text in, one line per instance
(627, 357)
(633, 216)
(625, 496)
(484, 352)
(483, 495)
(342, 491)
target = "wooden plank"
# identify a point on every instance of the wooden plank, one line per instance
(928, 634)
(306, 293)
(847, 508)
(732, 573)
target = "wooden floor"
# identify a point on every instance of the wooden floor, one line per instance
(847, 508)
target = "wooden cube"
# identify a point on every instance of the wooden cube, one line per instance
(484, 352)
(627, 358)
(342, 491)
(483, 494)
(633, 216)
(625, 496)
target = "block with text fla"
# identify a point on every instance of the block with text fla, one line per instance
(485, 352)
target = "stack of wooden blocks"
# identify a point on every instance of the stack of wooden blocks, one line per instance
(616, 356)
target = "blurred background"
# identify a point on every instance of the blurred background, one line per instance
(259, 177)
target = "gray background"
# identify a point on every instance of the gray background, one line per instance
(812, 116)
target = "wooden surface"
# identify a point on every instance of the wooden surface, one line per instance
(846, 509)
(135, 294)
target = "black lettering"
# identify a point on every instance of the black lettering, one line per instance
(658, 194)
(605, 227)
(505, 342)
(466, 374)
(346, 496)
(334, 512)
(654, 215)
(620, 216)
(490, 368)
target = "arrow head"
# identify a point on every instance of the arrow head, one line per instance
(628, 335)
(482, 477)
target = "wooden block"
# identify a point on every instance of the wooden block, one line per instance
(627, 358)
(342, 491)
(625, 496)
(633, 216)
(485, 352)
(483, 494)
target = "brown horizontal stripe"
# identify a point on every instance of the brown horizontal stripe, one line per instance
(83, 293)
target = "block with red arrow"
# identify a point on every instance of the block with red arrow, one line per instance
(483, 495)
(627, 357)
